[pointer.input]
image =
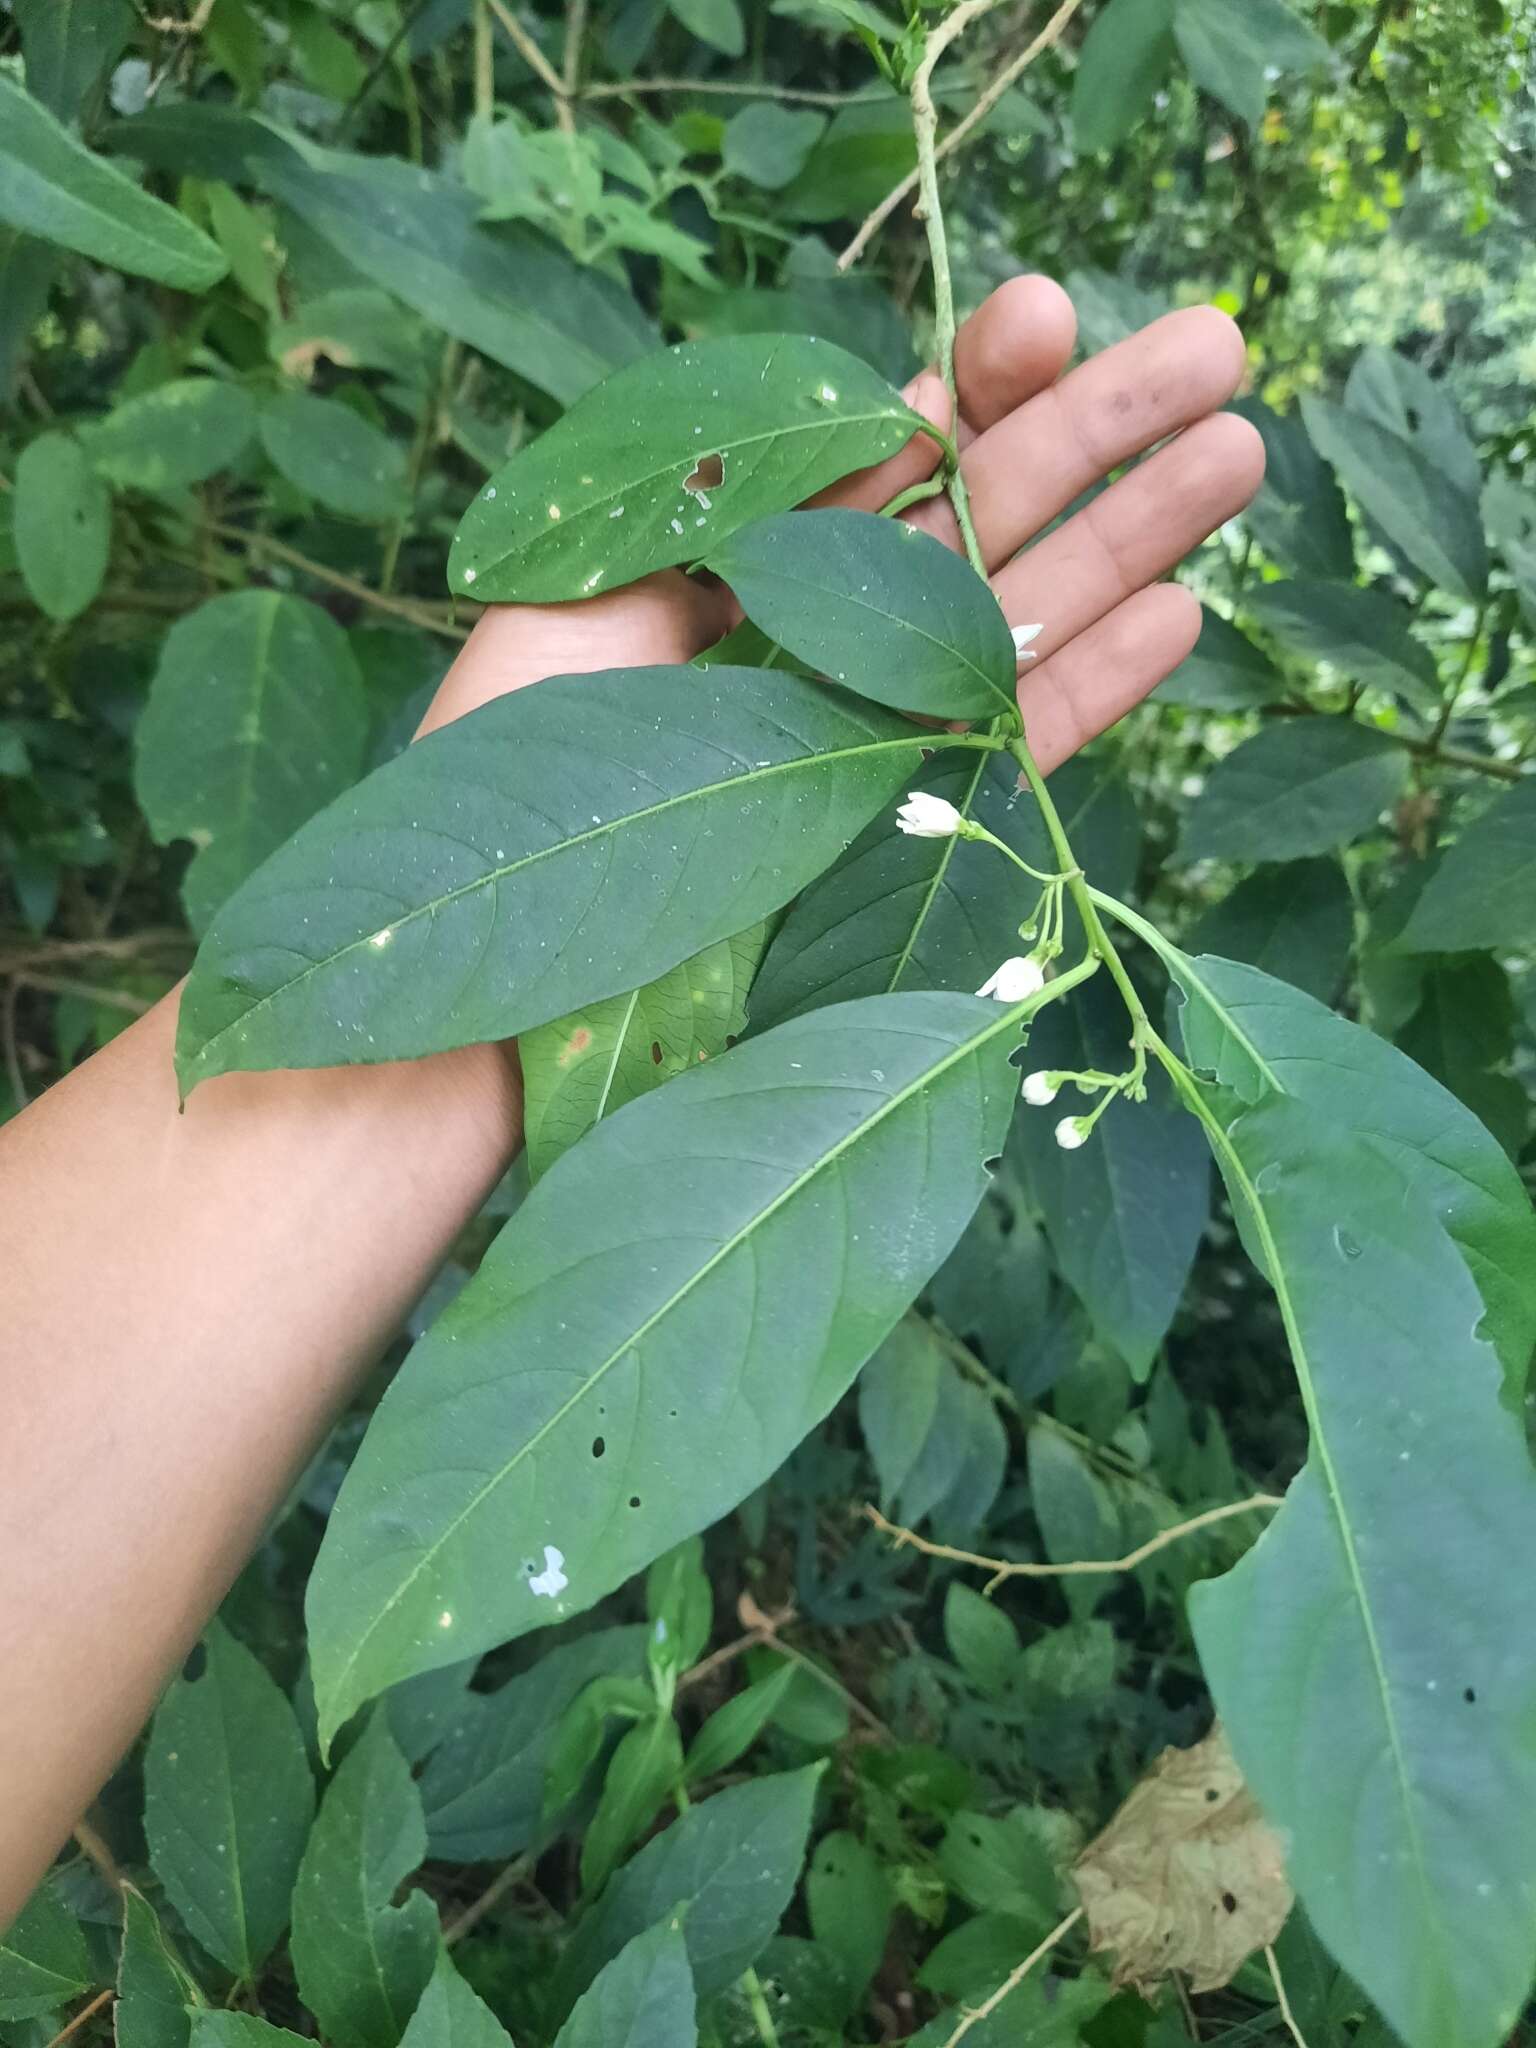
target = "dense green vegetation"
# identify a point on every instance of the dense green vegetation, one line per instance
(283, 286)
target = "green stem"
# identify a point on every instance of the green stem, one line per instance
(757, 2004)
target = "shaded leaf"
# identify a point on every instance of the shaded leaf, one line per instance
(716, 22)
(668, 458)
(68, 45)
(731, 1730)
(1232, 53)
(335, 455)
(1076, 1512)
(228, 1802)
(1364, 634)
(768, 145)
(1483, 891)
(236, 2030)
(43, 1959)
(1402, 396)
(1298, 515)
(1295, 921)
(154, 1986)
(556, 877)
(1126, 56)
(1308, 785)
(867, 149)
(175, 435)
(641, 1775)
(1416, 505)
(1463, 1034)
(450, 2015)
(61, 522)
(644, 1998)
(1226, 672)
(850, 1901)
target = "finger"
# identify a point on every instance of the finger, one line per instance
(1107, 671)
(1028, 468)
(1134, 532)
(661, 619)
(1015, 344)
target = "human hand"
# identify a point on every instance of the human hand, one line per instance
(1033, 440)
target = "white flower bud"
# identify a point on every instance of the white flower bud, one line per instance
(1014, 980)
(1022, 636)
(1041, 1090)
(1071, 1133)
(928, 817)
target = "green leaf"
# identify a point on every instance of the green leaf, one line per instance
(578, 1070)
(450, 2015)
(1483, 892)
(228, 1801)
(53, 187)
(256, 717)
(61, 522)
(1298, 516)
(68, 45)
(1364, 634)
(1295, 921)
(839, 17)
(732, 1861)
(175, 435)
(897, 912)
(980, 1638)
(507, 292)
(483, 1789)
(333, 454)
(361, 1962)
(868, 149)
(1076, 1512)
(236, 2030)
(732, 1729)
(898, 1401)
(768, 145)
(716, 22)
(1415, 504)
(557, 876)
(1463, 1034)
(1045, 2011)
(669, 457)
(1308, 785)
(547, 1418)
(1124, 1214)
(878, 605)
(1226, 672)
(1002, 1864)
(1380, 1706)
(43, 1959)
(1404, 398)
(1126, 56)
(27, 272)
(849, 1900)
(644, 1998)
(1232, 52)
(1257, 1036)
(154, 1986)
(642, 1773)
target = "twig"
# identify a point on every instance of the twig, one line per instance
(1285, 2004)
(984, 2011)
(536, 61)
(13, 1073)
(1006, 1568)
(32, 953)
(1008, 76)
(476, 1911)
(422, 615)
(734, 87)
(95, 1849)
(575, 35)
(109, 998)
(82, 2016)
(485, 76)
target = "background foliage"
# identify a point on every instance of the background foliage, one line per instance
(253, 369)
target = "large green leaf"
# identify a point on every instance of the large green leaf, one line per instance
(43, 1959)
(1296, 921)
(61, 522)
(506, 291)
(1125, 1212)
(878, 605)
(686, 1293)
(335, 455)
(154, 1986)
(1298, 515)
(1308, 785)
(228, 1800)
(1126, 56)
(1381, 1703)
(505, 870)
(68, 45)
(1364, 634)
(450, 2015)
(1233, 52)
(644, 1998)
(1258, 1036)
(1463, 1033)
(53, 187)
(1226, 672)
(579, 1069)
(256, 717)
(175, 435)
(768, 144)
(899, 912)
(670, 456)
(361, 1962)
(1402, 396)
(732, 1861)
(1415, 504)
(868, 148)
(1483, 892)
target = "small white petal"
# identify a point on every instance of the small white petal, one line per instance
(552, 1579)
(1040, 1090)
(1014, 980)
(1022, 636)
(928, 817)
(1070, 1133)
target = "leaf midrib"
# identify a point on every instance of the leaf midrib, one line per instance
(1008, 1019)
(705, 791)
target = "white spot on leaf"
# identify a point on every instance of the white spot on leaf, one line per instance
(552, 1580)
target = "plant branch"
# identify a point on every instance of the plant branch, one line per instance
(80, 2018)
(976, 2014)
(477, 1909)
(1003, 1568)
(1007, 77)
(536, 61)
(426, 616)
(736, 88)
(1284, 2003)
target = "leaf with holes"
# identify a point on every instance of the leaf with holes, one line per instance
(228, 1801)
(684, 1294)
(581, 1068)
(878, 605)
(670, 456)
(500, 873)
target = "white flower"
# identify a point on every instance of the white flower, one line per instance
(1014, 980)
(1041, 1090)
(1070, 1133)
(928, 817)
(1022, 636)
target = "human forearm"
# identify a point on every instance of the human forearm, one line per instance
(230, 1271)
